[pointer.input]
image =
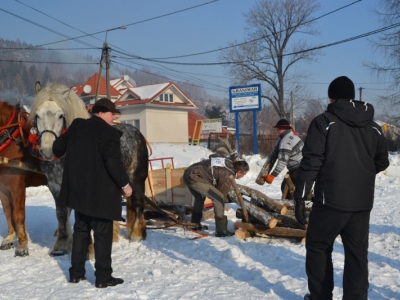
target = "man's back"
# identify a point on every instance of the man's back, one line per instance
(343, 152)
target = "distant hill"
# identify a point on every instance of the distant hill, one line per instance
(21, 65)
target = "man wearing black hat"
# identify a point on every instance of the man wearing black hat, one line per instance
(343, 152)
(93, 181)
(286, 153)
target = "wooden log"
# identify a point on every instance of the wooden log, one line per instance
(242, 234)
(287, 221)
(239, 198)
(262, 200)
(167, 223)
(290, 204)
(258, 213)
(285, 191)
(277, 231)
(283, 220)
(239, 215)
(290, 184)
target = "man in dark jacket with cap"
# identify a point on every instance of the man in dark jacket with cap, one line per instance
(94, 179)
(343, 152)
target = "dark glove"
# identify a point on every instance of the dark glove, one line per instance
(300, 211)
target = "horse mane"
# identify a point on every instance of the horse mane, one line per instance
(65, 98)
(5, 112)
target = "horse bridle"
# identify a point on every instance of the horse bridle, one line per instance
(35, 138)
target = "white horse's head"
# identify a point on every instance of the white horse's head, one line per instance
(53, 110)
(50, 122)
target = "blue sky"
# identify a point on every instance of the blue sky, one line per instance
(205, 28)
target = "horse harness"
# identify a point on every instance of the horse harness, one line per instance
(14, 128)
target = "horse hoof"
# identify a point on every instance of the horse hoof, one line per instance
(7, 246)
(58, 253)
(21, 252)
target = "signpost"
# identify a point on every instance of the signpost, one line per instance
(245, 98)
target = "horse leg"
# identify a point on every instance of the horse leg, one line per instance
(135, 221)
(19, 197)
(63, 244)
(5, 197)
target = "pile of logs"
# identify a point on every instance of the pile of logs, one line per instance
(265, 216)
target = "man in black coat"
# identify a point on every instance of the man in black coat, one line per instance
(94, 179)
(343, 152)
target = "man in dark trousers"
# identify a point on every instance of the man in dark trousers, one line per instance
(94, 179)
(343, 152)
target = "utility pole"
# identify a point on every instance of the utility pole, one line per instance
(105, 56)
(291, 109)
(360, 88)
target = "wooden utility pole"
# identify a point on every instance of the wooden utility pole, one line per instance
(360, 88)
(104, 56)
(291, 110)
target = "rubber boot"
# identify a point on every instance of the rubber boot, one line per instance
(196, 218)
(221, 225)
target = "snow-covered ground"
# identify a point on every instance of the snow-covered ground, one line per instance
(168, 265)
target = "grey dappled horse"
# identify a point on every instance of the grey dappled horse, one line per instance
(53, 110)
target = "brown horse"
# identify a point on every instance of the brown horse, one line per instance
(14, 130)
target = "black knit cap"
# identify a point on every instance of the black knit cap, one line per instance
(341, 88)
(283, 123)
(104, 105)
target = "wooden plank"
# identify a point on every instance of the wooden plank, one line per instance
(166, 185)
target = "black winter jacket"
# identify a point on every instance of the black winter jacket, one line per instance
(93, 171)
(344, 150)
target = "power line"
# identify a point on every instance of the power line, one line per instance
(287, 54)
(48, 62)
(102, 31)
(260, 38)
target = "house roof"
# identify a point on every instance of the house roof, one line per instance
(117, 81)
(149, 93)
(92, 83)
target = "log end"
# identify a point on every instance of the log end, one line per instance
(242, 234)
(283, 210)
(272, 223)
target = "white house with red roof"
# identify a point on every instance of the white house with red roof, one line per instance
(159, 111)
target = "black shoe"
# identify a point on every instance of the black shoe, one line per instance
(112, 282)
(307, 297)
(76, 280)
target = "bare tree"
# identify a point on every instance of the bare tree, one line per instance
(388, 42)
(272, 50)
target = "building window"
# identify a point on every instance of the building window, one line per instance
(166, 97)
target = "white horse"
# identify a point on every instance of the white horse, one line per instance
(53, 110)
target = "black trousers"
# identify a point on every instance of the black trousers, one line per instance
(325, 224)
(103, 231)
